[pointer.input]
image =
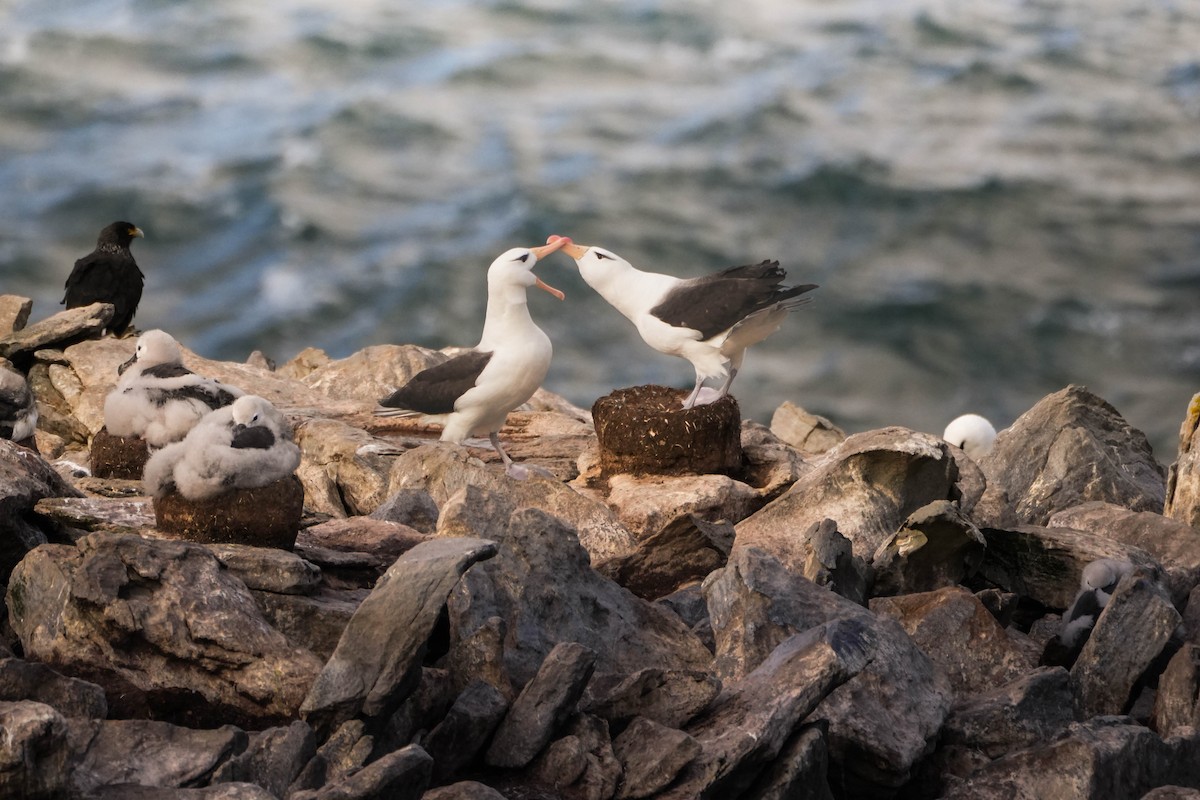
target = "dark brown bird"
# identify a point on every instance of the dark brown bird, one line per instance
(109, 274)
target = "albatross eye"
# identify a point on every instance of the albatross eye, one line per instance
(523, 257)
(601, 256)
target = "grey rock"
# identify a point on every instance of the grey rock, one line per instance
(960, 636)
(268, 569)
(134, 515)
(57, 330)
(71, 697)
(1176, 703)
(936, 546)
(582, 763)
(463, 790)
(747, 728)
(1172, 793)
(24, 480)
(869, 484)
(161, 626)
(800, 771)
(1133, 629)
(36, 756)
(14, 313)
(272, 759)
(412, 507)
(683, 553)
(651, 755)
(313, 622)
(663, 696)
(647, 504)
(769, 464)
(345, 752)
(354, 462)
(466, 728)
(377, 661)
(1183, 478)
(224, 791)
(809, 433)
(542, 706)
(1031, 710)
(420, 712)
(402, 775)
(1071, 448)
(829, 560)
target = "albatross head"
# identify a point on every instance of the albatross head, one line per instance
(514, 268)
(154, 347)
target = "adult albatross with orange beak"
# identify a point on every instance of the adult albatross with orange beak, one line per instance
(471, 394)
(709, 320)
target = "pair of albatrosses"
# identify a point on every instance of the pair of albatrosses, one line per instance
(710, 321)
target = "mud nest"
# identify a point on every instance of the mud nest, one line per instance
(122, 457)
(268, 516)
(645, 430)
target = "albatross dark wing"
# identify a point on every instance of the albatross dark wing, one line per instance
(212, 396)
(165, 371)
(435, 390)
(717, 302)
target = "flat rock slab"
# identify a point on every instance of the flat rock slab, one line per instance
(268, 516)
(99, 514)
(646, 430)
(65, 326)
(122, 457)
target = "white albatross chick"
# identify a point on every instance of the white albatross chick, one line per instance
(18, 408)
(241, 446)
(710, 320)
(471, 394)
(972, 433)
(157, 397)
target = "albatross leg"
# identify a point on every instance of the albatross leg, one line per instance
(511, 469)
(691, 401)
(728, 382)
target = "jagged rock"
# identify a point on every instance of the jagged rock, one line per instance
(809, 433)
(135, 515)
(224, 791)
(648, 769)
(161, 626)
(686, 550)
(542, 706)
(1030, 710)
(508, 613)
(314, 622)
(445, 469)
(958, 634)
(1173, 544)
(756, 715)
(272, 759)
(581, 764)
(670, 698)
(463, 790)
(466, 728)
(24, 480)
(268, 569)
(36, 756)
(377, 661)
(1133, 629)
(769, 464)
(401, 775)
(265, 516)
(644, 430)
(936, 546)
(829, 560)
(647, 504)
(412, 507)
(370, 373)
(881, 722)
(1044, 564)
(1101, 759)
(342, 754)
(1172, 793)
(56, 330)
(304, 363)
(800, 771)
(869, 485)
(420, 712)
(148, 753)
(355, 462)
(1071, 448)
(14, 313)
(1183, 478)
(1175, 703)
(385, 540)
(71, 697)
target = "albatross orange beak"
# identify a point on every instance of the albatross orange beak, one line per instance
(553, 244)
(565, 244)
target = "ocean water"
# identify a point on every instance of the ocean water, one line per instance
(998, 198)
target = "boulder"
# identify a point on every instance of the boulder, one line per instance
(1031, 710)
(400, 775)
(311, 621)
(412, 507)
(345, 460)
(686, 550)
(1177, 702)
(1183, 478)
(800, 771)
(463, 790)
(647, 504)
(71, 697)
(829, 560)
(24, 480)
(109, 514)
(668, 697)
(581, 764)
(272, 758)
(55, 331)
(161, 626)
(465, 730)
(809, 433)
(1072, 448)
(936, 546)
(36, 754)
(14, 313)
(646, 770)
(769, 464)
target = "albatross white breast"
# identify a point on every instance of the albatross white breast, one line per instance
(471, 394)
(710, 320)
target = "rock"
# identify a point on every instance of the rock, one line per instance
(1071, 448)
(686, 550)
(647, 769)
(24, 480)
(1133, 629)
(883, 721)
(670, 698)
(161, 626)
(412, 507)
(444, 469)
(266, 516)
(647, 504)
(1045, 564)
(343, 753)
(1173, 544)
(27, 680)
(829, 560)
(508, 613)
(354, 462)
(55, 331)
(420, 712)
(312, 622)
(225, 791)
(121, 457)
(769, 464)
(267, 569)
(809, 433)
(99, 514)
(1031, 710)
(959, 635)
(367, 375)
(272, 758)
(468, 725)
(644, 430)
(1172, 793)
(746, 730)
(542, 706)
(36, 757)
(463, 790)
(14, 313)
(401, 775)
(868, 485)
(1176, 703)
(377, 661)
(387, 541)
(1182, 500)
(936, 546)
(581, 764)
(800, 771)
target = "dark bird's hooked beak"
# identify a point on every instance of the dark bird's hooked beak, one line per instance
(137, 233)
(121, 369)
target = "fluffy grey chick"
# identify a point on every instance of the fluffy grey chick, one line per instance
(242, 446)
(1096, 585)
(18, 409)
(157, 397)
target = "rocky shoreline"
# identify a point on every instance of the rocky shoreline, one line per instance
(863, 616)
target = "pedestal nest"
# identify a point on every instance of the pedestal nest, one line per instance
(121, 457)
(268, 516)
(646, 430)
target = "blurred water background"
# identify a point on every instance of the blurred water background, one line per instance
(998, 198)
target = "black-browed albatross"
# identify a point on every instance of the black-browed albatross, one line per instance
(709, 320)
(471, 394)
